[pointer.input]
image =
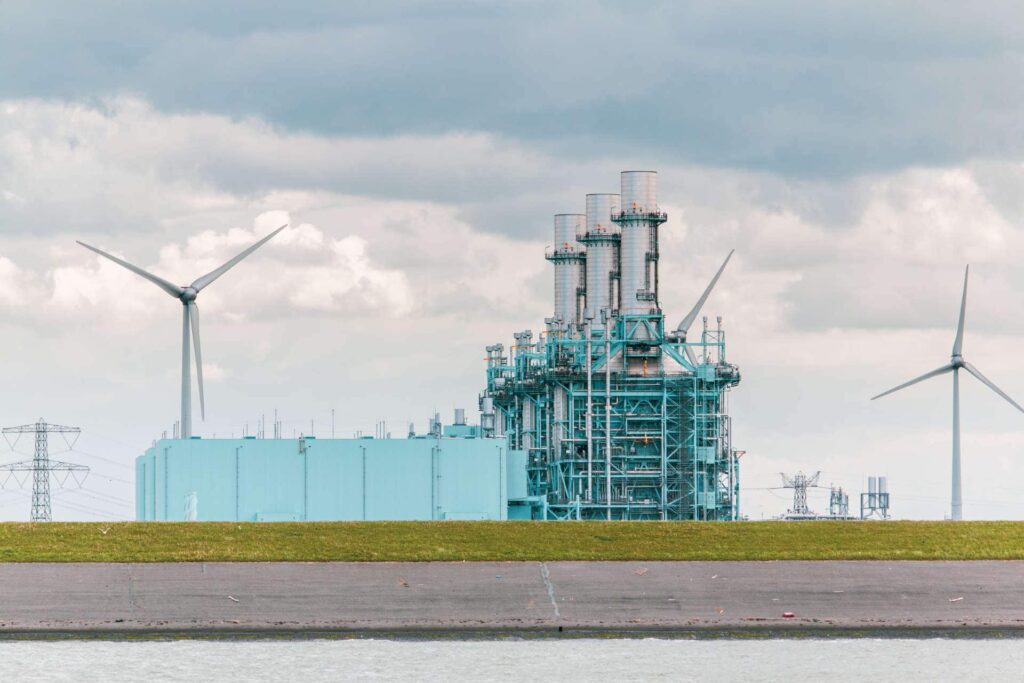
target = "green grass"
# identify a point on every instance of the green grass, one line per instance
(454, 541)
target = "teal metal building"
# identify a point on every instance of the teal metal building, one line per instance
(328, 479)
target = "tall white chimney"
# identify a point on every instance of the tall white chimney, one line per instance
(602, 240)
(568, 257)
(639, 221)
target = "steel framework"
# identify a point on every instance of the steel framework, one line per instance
(620, 417)
(800, 482)
(604, 444)
(40, 466)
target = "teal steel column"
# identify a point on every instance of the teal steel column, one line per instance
(607, 420)
(664, 449)
(589, 420)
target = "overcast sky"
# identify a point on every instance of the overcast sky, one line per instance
(856, 154)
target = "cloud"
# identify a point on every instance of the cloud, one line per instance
(124, 165)
(863, 252)
(303, 271)
(796, 88)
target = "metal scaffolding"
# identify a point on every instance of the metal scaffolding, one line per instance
(620, 418)
(607, 445)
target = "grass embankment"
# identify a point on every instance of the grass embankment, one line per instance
(453, 541)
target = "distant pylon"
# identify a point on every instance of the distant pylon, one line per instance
(41, 466)
(800, 482)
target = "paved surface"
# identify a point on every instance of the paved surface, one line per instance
(494, 597)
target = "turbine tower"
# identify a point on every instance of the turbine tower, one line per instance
(956, 362)
(190, 319)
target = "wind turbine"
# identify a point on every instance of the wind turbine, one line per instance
(956, 362)
(190, 319)
(684, 325)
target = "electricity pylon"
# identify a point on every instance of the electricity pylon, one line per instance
(800, 482)
(41, 466)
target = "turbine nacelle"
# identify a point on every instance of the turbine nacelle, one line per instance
(188, 294)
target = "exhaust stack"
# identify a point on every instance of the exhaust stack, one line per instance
(568, 257)
(639, 220)
(602, 241)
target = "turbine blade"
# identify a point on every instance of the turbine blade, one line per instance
(928, 375)
(173, 290)
(690, 355)
(193, 314)
(987, 382)
(213, 275)
(958, 343)
(684, 326)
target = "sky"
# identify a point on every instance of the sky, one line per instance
(857, 155)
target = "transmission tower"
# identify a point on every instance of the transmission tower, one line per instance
(800, 482)
(41, 466)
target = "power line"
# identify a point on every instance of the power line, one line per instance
(102, 514)
(80, 506)
(100, 457)
(110, 500)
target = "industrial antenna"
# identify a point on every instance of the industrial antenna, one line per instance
(187, 295)
(800, 482)
(41, 466)
(956, 362)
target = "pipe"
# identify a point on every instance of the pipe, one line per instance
(664, 451)
(608, 417)
(590, 410)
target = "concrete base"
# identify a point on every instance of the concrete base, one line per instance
(687, 599)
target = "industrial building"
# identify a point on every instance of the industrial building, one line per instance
(266, 480)
(607, 414)
(620, 417)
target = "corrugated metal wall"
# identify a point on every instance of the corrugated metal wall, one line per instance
(337, 479)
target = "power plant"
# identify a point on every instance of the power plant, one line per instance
(620, 417)
(607, 414)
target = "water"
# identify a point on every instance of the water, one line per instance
(559, 660)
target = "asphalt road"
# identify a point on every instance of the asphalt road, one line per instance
(500, 597)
